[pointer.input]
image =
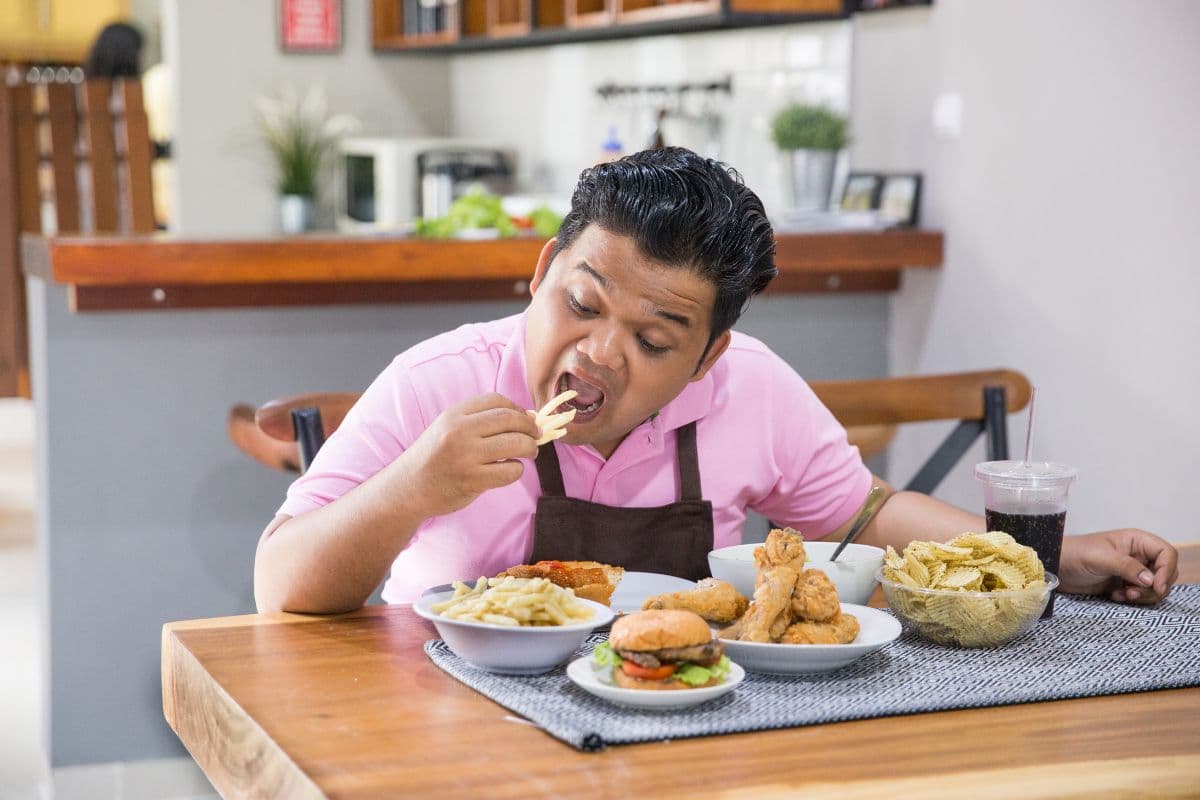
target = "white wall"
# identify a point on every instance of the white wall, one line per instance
(224, 53)
(1070, 211)
(542, 101)
(147, 15)
(539, 102)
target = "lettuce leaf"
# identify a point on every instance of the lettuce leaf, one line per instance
(696, 675)
(605, 656)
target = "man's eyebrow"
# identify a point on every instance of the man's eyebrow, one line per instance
(600, 279)
(677, 318)
(658, 311)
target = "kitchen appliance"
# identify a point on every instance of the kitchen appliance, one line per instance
(384, 183)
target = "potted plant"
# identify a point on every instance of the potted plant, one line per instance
(301, 136)
(813, 135)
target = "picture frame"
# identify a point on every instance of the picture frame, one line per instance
(881, 5)
(900, 198)
(861, 191)
(310, 26)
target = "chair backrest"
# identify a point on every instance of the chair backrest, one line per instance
(980, 401)
(286, 433)
(74, 158)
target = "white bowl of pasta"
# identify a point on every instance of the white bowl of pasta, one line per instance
(513, 626)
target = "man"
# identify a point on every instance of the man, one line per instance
(680, 425)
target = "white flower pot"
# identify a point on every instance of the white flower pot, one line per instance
(295, 213)
(812, 179)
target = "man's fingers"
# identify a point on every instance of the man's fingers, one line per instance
(493, 421)
(508, 445)
(502, 473)
(1127, 568)
(1166, 569)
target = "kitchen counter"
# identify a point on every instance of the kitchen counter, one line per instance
(156, 272)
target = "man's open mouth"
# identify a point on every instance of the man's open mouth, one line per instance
(589, 398)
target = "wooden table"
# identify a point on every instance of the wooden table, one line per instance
(290, 706)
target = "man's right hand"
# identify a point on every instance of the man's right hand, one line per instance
(470, 448)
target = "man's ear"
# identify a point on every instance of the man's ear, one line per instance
(718, 347)
(543, 264)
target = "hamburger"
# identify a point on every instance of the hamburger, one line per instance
(665, 649)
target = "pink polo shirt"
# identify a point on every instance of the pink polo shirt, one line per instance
(765, 442)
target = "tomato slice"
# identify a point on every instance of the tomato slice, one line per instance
(637, 671)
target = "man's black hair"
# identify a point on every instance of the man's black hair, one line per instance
(684, 210)
(116, 53)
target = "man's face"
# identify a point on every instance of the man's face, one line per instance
(623, 330)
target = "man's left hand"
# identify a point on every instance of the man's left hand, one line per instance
(1128, 565)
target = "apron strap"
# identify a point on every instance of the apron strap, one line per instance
(549, 473)
(689, 463)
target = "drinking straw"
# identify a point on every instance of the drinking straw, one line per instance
(1029, 426)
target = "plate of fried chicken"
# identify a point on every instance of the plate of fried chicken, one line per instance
(794, 623)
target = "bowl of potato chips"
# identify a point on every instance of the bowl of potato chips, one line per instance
(514, 626)
(977, 590)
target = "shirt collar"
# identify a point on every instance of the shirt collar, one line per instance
(689, 405)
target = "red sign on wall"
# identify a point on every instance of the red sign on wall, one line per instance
(310, 26)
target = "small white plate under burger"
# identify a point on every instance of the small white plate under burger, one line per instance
(876, 629)
(596, 679)
(511, 649)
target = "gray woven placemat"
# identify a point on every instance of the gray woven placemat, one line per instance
(1090, 647)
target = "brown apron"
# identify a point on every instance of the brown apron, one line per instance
(674, 539)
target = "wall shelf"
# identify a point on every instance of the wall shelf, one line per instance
(404, 26)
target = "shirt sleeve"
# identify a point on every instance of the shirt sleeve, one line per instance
(384, 423)
(821, 480)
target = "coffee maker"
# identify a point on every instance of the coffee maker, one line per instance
(383, 183)
(446, 173)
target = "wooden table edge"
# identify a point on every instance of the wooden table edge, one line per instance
(235, 768)
(1174, 776)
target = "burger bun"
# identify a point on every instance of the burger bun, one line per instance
(659, 630)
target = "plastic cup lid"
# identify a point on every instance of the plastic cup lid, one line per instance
(1021, 474)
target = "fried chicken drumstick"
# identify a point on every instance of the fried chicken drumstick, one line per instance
(713, 599)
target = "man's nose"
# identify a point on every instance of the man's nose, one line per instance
(603, 348)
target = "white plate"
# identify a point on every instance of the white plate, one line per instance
(635, 587)
(877, 628)
(590, 677)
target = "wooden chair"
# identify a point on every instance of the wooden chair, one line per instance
(980, 401)
(285, 434)
(74, 158)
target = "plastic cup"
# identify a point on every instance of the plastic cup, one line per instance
(1028, 501)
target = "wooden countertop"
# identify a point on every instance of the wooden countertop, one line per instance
(285, 705)
(155, 272)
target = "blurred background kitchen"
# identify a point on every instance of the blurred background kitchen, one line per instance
(1055, 149)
